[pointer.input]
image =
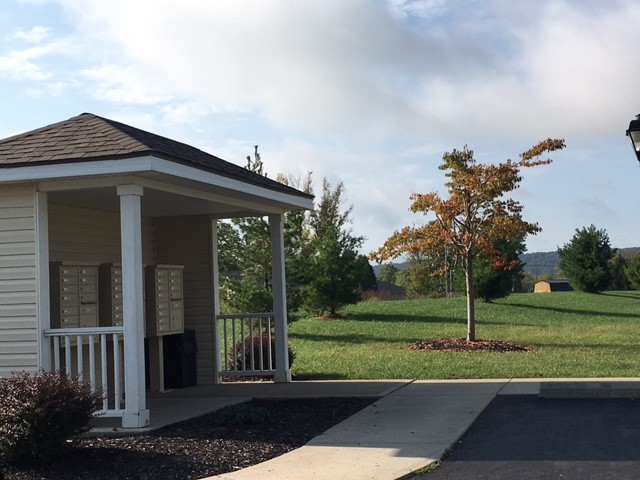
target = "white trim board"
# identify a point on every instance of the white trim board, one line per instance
(66, 175)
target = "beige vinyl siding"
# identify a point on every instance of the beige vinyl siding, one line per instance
(187, 241)
(84, 235)
(18, 307)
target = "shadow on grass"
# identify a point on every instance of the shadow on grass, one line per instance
(628, 349)
(572, 311)
(630, 295)
(394, 317)
(351, 339)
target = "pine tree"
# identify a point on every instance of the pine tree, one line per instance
(336, 279)
(633, 271)
(498, 281)
(245, 248)
(619, 279)
(585, 260)
(388, 273)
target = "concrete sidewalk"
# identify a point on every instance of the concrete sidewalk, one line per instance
(412, 425)
(405, 430)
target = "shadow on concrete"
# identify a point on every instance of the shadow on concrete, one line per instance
(531, 437)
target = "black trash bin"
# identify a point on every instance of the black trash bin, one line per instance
(180, 360)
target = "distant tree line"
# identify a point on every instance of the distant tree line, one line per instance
(588, 261)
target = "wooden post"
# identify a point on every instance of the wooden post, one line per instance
(215, 286)
(42, 280)
(136, 414)
(283, 370)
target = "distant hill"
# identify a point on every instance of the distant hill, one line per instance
(547, 262)
(537, 263)
(540, 262)
(399, 266)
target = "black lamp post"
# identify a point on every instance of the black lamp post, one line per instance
(633, 132)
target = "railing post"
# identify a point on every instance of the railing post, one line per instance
(92, 362)
(80, 357)
(104, 371)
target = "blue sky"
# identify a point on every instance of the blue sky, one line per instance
(367, 92)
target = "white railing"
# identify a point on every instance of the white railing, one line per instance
(95, 355)
(245, 345)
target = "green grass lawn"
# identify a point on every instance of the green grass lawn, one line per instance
(572, 334)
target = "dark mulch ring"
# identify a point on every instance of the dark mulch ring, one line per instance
(463, 345)
(220, 442)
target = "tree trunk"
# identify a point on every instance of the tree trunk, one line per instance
(471, 298)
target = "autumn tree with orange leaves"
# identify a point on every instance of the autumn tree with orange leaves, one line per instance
(475, 215)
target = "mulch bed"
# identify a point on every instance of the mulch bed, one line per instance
(220, 442)
(463, 345)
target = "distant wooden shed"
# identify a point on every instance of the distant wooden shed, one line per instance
(548, 286)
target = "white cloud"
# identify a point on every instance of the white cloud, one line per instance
(33, 62)
(420, 8)
(355, 69)
(371, 93)
(125, 84)
(21, 64)
(35, 35)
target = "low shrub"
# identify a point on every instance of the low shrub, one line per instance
(39, 412)
(252, 345)
(243, 415)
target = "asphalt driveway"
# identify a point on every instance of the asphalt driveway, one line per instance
(527, 437)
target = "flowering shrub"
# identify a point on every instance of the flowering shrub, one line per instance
(252, 344)
(39, 412)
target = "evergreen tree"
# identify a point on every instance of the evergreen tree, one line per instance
(298, 247)
(585, 260)
(323, 268)
(633, 271)
(619, 279)
(422, 277)
(497, 281)
(245, 249)
(251, 291)
(336, 279)
(388, 273)
(367, 276)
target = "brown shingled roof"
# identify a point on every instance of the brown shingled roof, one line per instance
(89, 137)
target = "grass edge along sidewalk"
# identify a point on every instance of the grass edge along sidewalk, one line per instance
(571, 334)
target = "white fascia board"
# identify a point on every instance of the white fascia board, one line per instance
(190, 173)
(141, 165)
(76, 169)
(252, 205)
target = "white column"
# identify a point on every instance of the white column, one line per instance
(42, 280)
(215, 285)
(136, 414)
(283, 370)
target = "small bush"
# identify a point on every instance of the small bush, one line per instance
(252, 344)
(39, 412)
(243, 415)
